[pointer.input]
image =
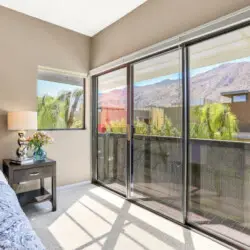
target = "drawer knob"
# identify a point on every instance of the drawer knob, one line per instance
(34, 174)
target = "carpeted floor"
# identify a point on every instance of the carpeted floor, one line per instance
(91, 218)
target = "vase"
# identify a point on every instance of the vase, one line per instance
(39, 154)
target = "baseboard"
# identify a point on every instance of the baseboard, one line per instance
(65, 187)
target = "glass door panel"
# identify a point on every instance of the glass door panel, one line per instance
(219, 161)
(112, 130)
(157, 140)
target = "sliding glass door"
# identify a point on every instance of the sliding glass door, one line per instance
(157, 141)
(112, 130)
(173, 134)
(219, 162)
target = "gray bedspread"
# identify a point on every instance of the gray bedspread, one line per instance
(16, 232)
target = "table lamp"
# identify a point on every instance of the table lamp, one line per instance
(21, 121)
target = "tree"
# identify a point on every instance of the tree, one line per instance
(116, 126)
(213, 121)
(75, 98)
(141, 128)
(59, 112)
(49, 113)
(167, 129)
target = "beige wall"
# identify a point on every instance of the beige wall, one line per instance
(155, 21)
(25, 43)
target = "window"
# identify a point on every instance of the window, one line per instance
(236, 95)
(60, 100)
(239, 98)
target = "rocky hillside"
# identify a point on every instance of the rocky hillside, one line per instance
(208, 85)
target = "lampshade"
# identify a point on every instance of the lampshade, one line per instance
(22, 120)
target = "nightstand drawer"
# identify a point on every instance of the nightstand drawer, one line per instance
(32, 174)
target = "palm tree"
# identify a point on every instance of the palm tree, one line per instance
(59, 112)
(213, 121)
(49, 113)
(76, 95)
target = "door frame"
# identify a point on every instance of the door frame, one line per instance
(94, 127)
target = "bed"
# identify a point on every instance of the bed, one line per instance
(16, 232)
(2, 178)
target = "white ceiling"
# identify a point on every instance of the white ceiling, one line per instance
(87, 17)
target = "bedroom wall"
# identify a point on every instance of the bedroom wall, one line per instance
(25, 43)
(155, 21)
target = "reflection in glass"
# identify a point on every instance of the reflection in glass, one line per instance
(157, 145)
(112, 125)
(219, 197)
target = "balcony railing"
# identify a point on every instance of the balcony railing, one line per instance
(219, 171)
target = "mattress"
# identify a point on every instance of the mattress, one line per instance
(2, 178)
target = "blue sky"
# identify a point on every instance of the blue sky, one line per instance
(177, 76)
(195, 72)
(53, 88)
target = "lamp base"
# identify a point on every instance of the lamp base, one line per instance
(21, 151)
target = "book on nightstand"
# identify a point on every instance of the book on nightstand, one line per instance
(22, 162)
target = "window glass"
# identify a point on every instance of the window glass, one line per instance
(157, 144)
(239, 98)
(112, 129)
(60, 101)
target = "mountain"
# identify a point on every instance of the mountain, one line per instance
(204, 86)
(114, 98)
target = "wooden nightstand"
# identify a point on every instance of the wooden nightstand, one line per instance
(37, 170)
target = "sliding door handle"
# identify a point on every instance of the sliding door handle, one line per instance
(128, 132)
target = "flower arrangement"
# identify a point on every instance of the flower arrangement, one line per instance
(39, 139)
